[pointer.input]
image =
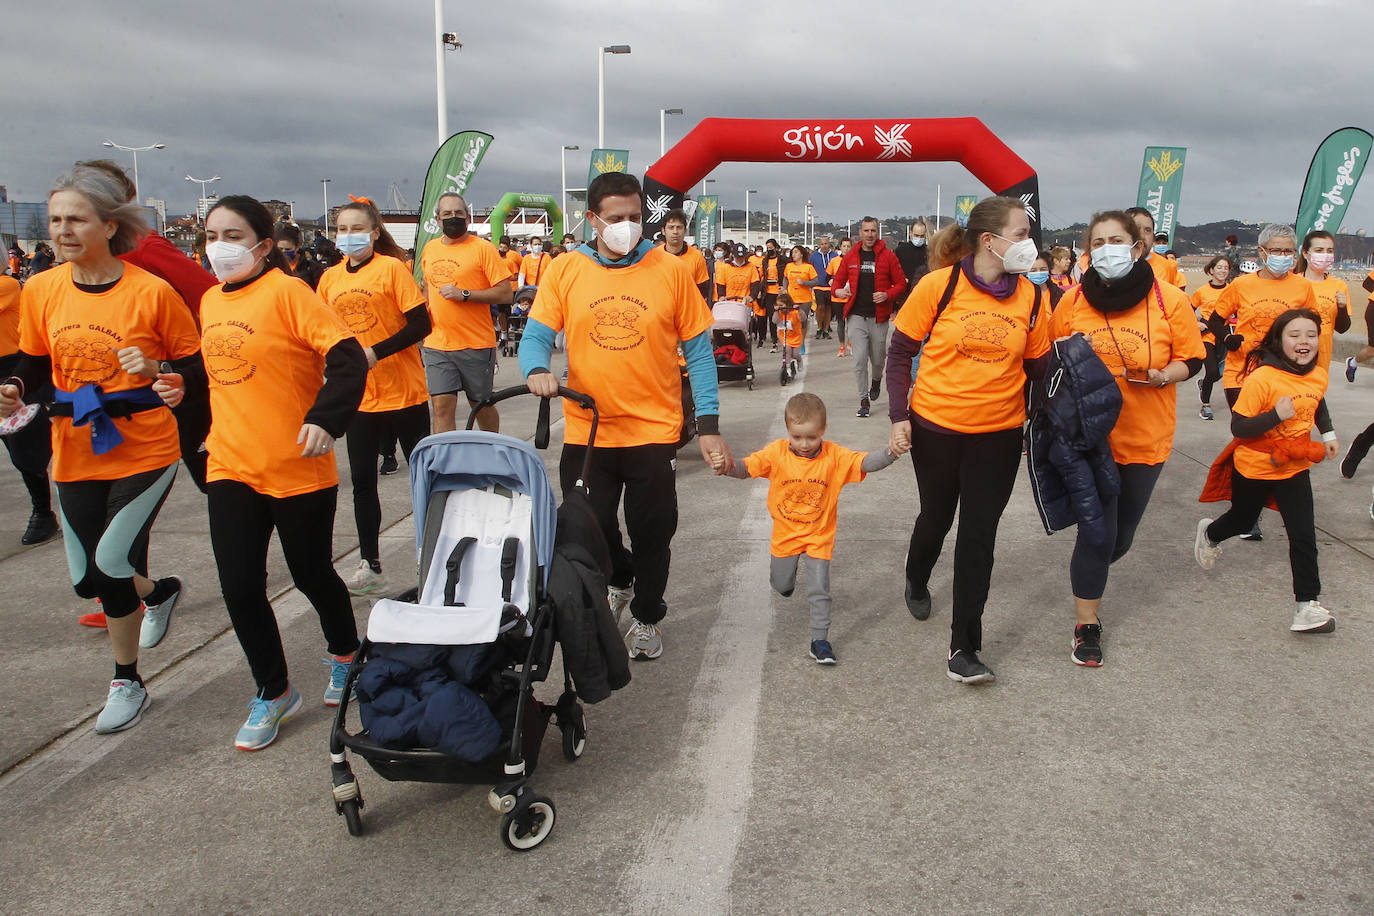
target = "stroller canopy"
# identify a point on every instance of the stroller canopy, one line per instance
(471, 459)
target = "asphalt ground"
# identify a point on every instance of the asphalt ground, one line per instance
(1215, 764)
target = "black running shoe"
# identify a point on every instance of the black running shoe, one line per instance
(1087, 645)
(863, 410)
(918, 603)
(965, 668)
(42, 526)
(1353, 456)
(876, 390)
(389, 466)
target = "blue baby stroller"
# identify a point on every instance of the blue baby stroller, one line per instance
(444, 679)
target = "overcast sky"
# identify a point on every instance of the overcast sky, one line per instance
(274, 96)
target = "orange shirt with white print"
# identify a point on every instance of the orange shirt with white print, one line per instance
(470, 263)
(1259, 393)
(972, 379)
(830, 269)
(737, 280)
(804, 495)
(797, 276)
(264, 347)
(372, 301)
(533, 267)
(622, 327)
(1255, 301)
(1158, 330)
(1203, 300)
(512, 259)
(696, 263)
(9, 315)
(1166, 270)
(1325, 291)
(81, 332)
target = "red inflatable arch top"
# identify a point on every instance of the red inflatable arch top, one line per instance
(716, 140)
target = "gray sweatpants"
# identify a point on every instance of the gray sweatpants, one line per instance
(782, 575)
(867, 337)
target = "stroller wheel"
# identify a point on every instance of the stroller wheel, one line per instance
(574, 736)
(782, 375)
(528, 825)
(352, 817)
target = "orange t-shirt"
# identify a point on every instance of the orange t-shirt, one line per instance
(1260, 391)
(512, 259)
(1166, 271)
(9, 315)
(1203, 300)
(790, 327)
(770, 268)
(533, 267)
(469, 263)
(830, 269)
(797, 276)
(1150, 335)
(373, 301)
(972, 379)
(623, 326)
(81, 331)
(737, 280)
(696, 264)
(1325, 291)
(1255, 302)
(804, 495)
(264, 347)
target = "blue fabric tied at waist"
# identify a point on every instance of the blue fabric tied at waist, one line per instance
(88, 406)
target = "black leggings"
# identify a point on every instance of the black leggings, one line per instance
(367, 435)
(30, 449)
(241, 523)
(645, 475)
(1122, 514)
(1293, 495)
(193, 425)
(975, 473)
(105, 524)
(1212, 365)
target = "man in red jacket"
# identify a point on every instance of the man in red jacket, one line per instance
(872, 278)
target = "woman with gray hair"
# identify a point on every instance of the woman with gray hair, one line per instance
(119, 348)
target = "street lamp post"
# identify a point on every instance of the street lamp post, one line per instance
(779, 216)
(601, 88)
(442, 41)
(203, 196)
(324, 186)
(663, 128)
(563, 158)
(138, 194)
(746, 213)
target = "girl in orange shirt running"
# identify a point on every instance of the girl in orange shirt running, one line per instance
(1218, 271)
(118, 346)
(1315, 259)
(1145, 332)
(382, 305)
(286, 376)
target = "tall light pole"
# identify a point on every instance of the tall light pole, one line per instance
(324, 186)
(563, 157)
(746, 213)
(779, 216)
(202, 182)
(442, 41)
(138, 194)
(601, 88)
(663, 128)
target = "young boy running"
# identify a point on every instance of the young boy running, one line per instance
(805, 475)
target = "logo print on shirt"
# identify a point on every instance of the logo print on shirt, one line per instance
(440, 272)
(802, 501)
(1121, 352)
(984, 338)
(616, 327)
(354, 307)
(86, 356)
(220, 346)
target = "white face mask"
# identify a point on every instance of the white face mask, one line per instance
(230, 261)
(919, 241)
(569, 246)
(536, 248)
(1321, 260)
(1020, 257)
(1112, 262)
(351, 243)
(621, 237)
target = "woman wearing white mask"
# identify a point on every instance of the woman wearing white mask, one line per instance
(1315, 260)
(286, 376)
(1147, 335)
(377, 297)
(986, 328)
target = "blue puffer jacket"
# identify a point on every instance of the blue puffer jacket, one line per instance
(414, 696)
(1070, 463)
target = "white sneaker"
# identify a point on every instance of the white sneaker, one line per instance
(156, 617)
(620, 599)
(1311, 617)
(364, 581)
(645, 641)
(124, 706)
(1203, 549)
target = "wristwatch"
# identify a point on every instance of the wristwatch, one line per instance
(467, 294)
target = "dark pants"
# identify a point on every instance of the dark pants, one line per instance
(1212, 365)
(30, 449)
(770, 304)
(193, 425)
(241, 523)
(367, 435)
(105, 524)
(1122, 514)
(647, 477)
(1294, 498)
(1232, 395)
(975, 473)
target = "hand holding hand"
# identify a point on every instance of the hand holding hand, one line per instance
(899, 442)
(716, 453)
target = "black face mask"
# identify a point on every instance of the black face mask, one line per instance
(455, 227)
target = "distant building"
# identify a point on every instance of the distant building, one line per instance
(280, 210)
(204, 204)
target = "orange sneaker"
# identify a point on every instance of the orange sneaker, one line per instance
(94, 619)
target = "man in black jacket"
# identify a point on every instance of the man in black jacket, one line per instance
(913, 255)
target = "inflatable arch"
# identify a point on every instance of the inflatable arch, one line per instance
(716, 140)
(515, 201)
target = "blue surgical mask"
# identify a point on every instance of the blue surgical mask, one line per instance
(1160, 249)
(1279, 264)
(1038, 277)
(351, 243)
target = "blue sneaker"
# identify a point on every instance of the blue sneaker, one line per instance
(264, 718)
(822, 652)
(338, 673)
(123, 707)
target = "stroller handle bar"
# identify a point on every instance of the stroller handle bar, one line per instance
(541, 429)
